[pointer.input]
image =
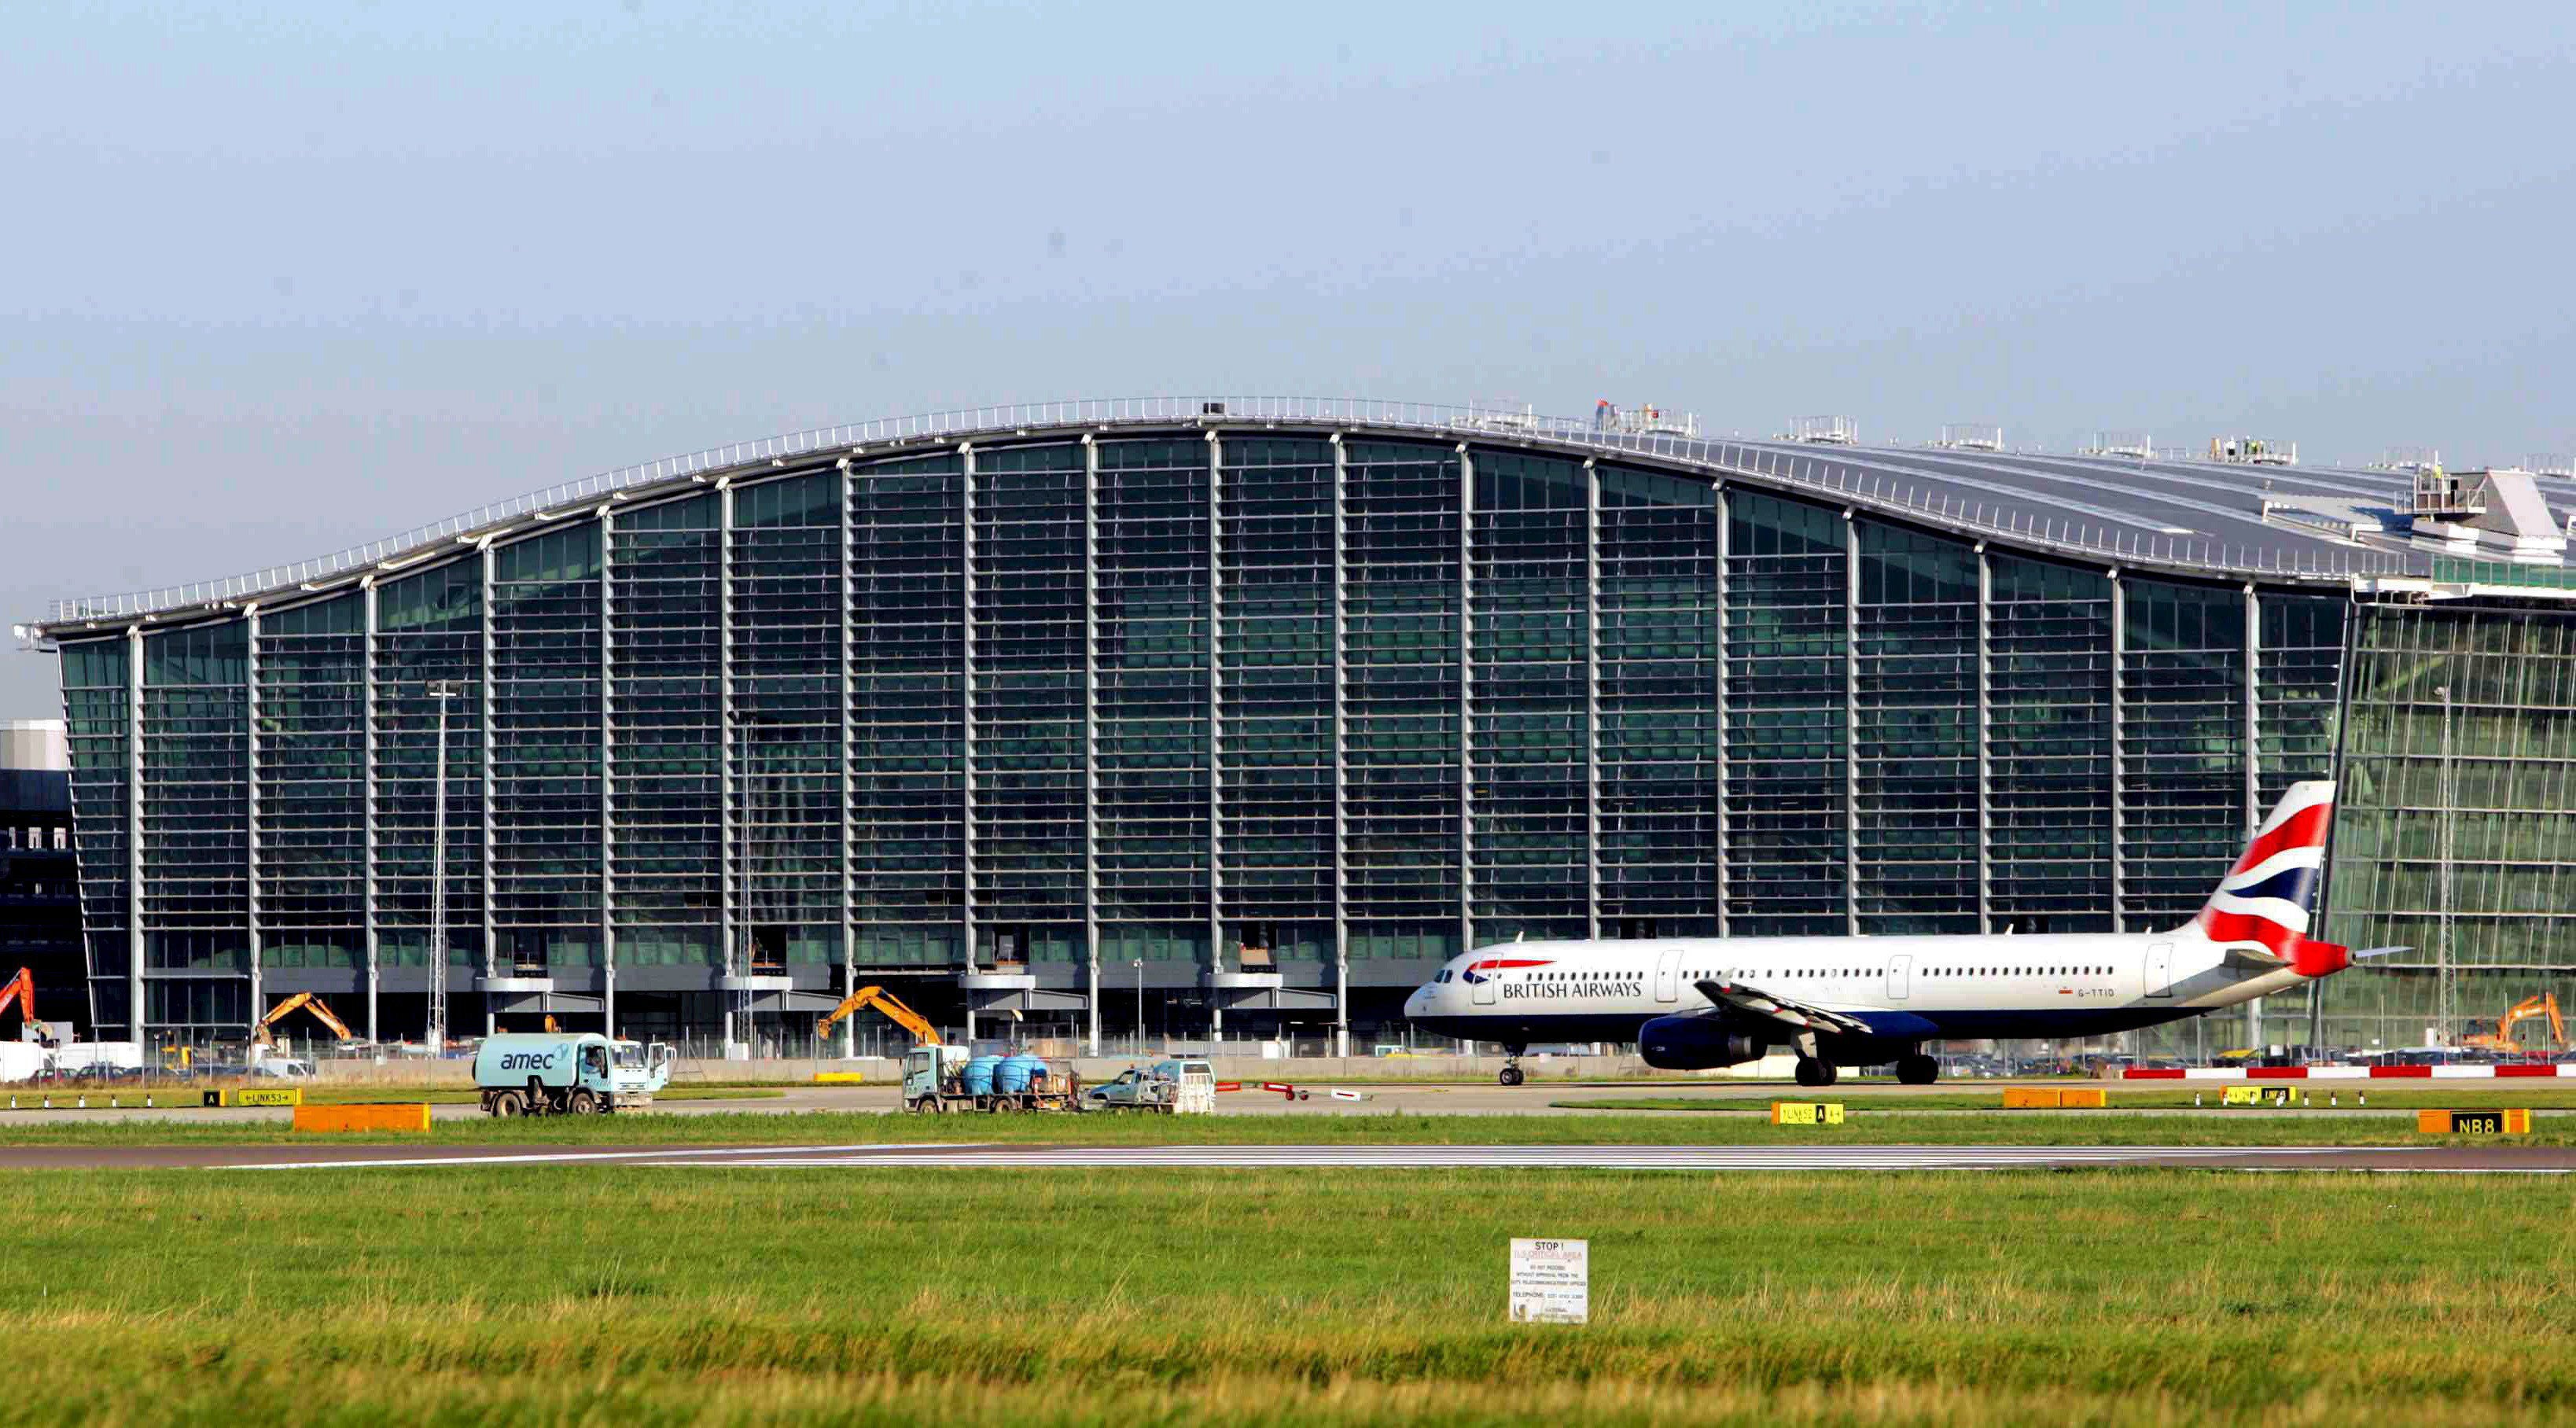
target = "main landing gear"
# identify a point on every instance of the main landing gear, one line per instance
(1511, 1065)
(1814, 1071)
(1917, 1069)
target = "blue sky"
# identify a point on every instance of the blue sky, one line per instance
(285, 280)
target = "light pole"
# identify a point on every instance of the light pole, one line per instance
(1140, 1006)
(441, 690)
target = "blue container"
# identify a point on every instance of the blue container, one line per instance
(1015, 1073)
(979, 1075)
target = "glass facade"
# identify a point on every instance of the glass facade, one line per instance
(1093, 707)
(2457, 837)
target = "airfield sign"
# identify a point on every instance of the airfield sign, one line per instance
(1551, 1281)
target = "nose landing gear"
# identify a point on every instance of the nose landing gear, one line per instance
(1511, 1065)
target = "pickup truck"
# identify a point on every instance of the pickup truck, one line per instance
(1185, 1087)
(573, 1073)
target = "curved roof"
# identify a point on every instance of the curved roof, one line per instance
(2195, 518)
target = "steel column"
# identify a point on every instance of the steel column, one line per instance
(728, 896)
(1985, 739)
(2253, 758)
(1466, 699)
(250, 801)
(1091, 738)
(1717, 816)
(849, 756)
(491, 911)
(1216, 726)
(1851, 724)
(2119, 779)
(1341, 767)
(607, 772)
(134, 833)
(1591, 698)
(367, 911)
(966, 706)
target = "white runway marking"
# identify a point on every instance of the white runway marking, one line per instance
(1388, 1157)
(1575, 1157)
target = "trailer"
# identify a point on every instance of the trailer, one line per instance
(939, 1079)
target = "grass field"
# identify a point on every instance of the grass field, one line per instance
(1868, 1126)
(2344, 1096)
(1323, 1297)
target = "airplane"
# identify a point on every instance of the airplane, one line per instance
(1698, 1003)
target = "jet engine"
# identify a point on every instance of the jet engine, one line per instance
(1694, 1043)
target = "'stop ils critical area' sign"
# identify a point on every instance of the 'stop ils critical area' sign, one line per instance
(1551, 1281)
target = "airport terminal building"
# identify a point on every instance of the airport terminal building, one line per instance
(1239, 716)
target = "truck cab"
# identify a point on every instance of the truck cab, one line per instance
(575, 1073)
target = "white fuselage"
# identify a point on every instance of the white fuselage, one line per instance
(2063, 985)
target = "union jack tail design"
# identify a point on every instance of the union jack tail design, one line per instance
(1484, 967)
(2271, 894)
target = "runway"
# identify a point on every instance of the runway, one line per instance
(2448, 1159)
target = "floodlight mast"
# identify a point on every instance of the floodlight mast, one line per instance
(441, 690)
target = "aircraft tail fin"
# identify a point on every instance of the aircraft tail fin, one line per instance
(2269, 897)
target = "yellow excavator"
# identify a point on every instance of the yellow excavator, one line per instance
(2501, 1039)
(886, 1002)
(304, 1001)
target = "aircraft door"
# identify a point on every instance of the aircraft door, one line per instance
(2160, 970)
(1668, 975)
(1480, 985)
(1900, 976)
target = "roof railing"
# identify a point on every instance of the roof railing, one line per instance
(1819, 467)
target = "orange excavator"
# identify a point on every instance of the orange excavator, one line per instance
(20, 992)
(306, 1001)
(886, 1002)
(2501, 1039)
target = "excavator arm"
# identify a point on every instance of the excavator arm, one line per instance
(304, 1001)
(20, 991)
(885, 1002)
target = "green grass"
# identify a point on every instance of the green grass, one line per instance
(1319, 1296)
(2549, 1097)
(1868, 1126)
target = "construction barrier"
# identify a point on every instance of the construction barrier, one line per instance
(840, 1078)
(1806, 1113)
(2032, 1098)
(2516, 1122)
(2084, 1098)
(2348, 1073)
(257, 1096)
(406, 1117)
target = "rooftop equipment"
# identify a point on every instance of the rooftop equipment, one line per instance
(1973, 436)
(1834, 430)
(2253, 451)
(2411, 458)
(2497, 513)
(2552, 463)
(2137, 444)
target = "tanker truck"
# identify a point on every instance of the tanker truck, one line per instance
(571, 1073)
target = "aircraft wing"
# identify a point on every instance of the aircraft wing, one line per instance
(1753, 1001)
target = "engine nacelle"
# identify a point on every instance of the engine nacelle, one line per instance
(1694, 1043)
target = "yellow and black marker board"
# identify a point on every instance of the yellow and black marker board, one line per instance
(257, 1096)
(2514, 1122)
(1806, 1113)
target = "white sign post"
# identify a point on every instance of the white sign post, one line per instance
(1551, 1281)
